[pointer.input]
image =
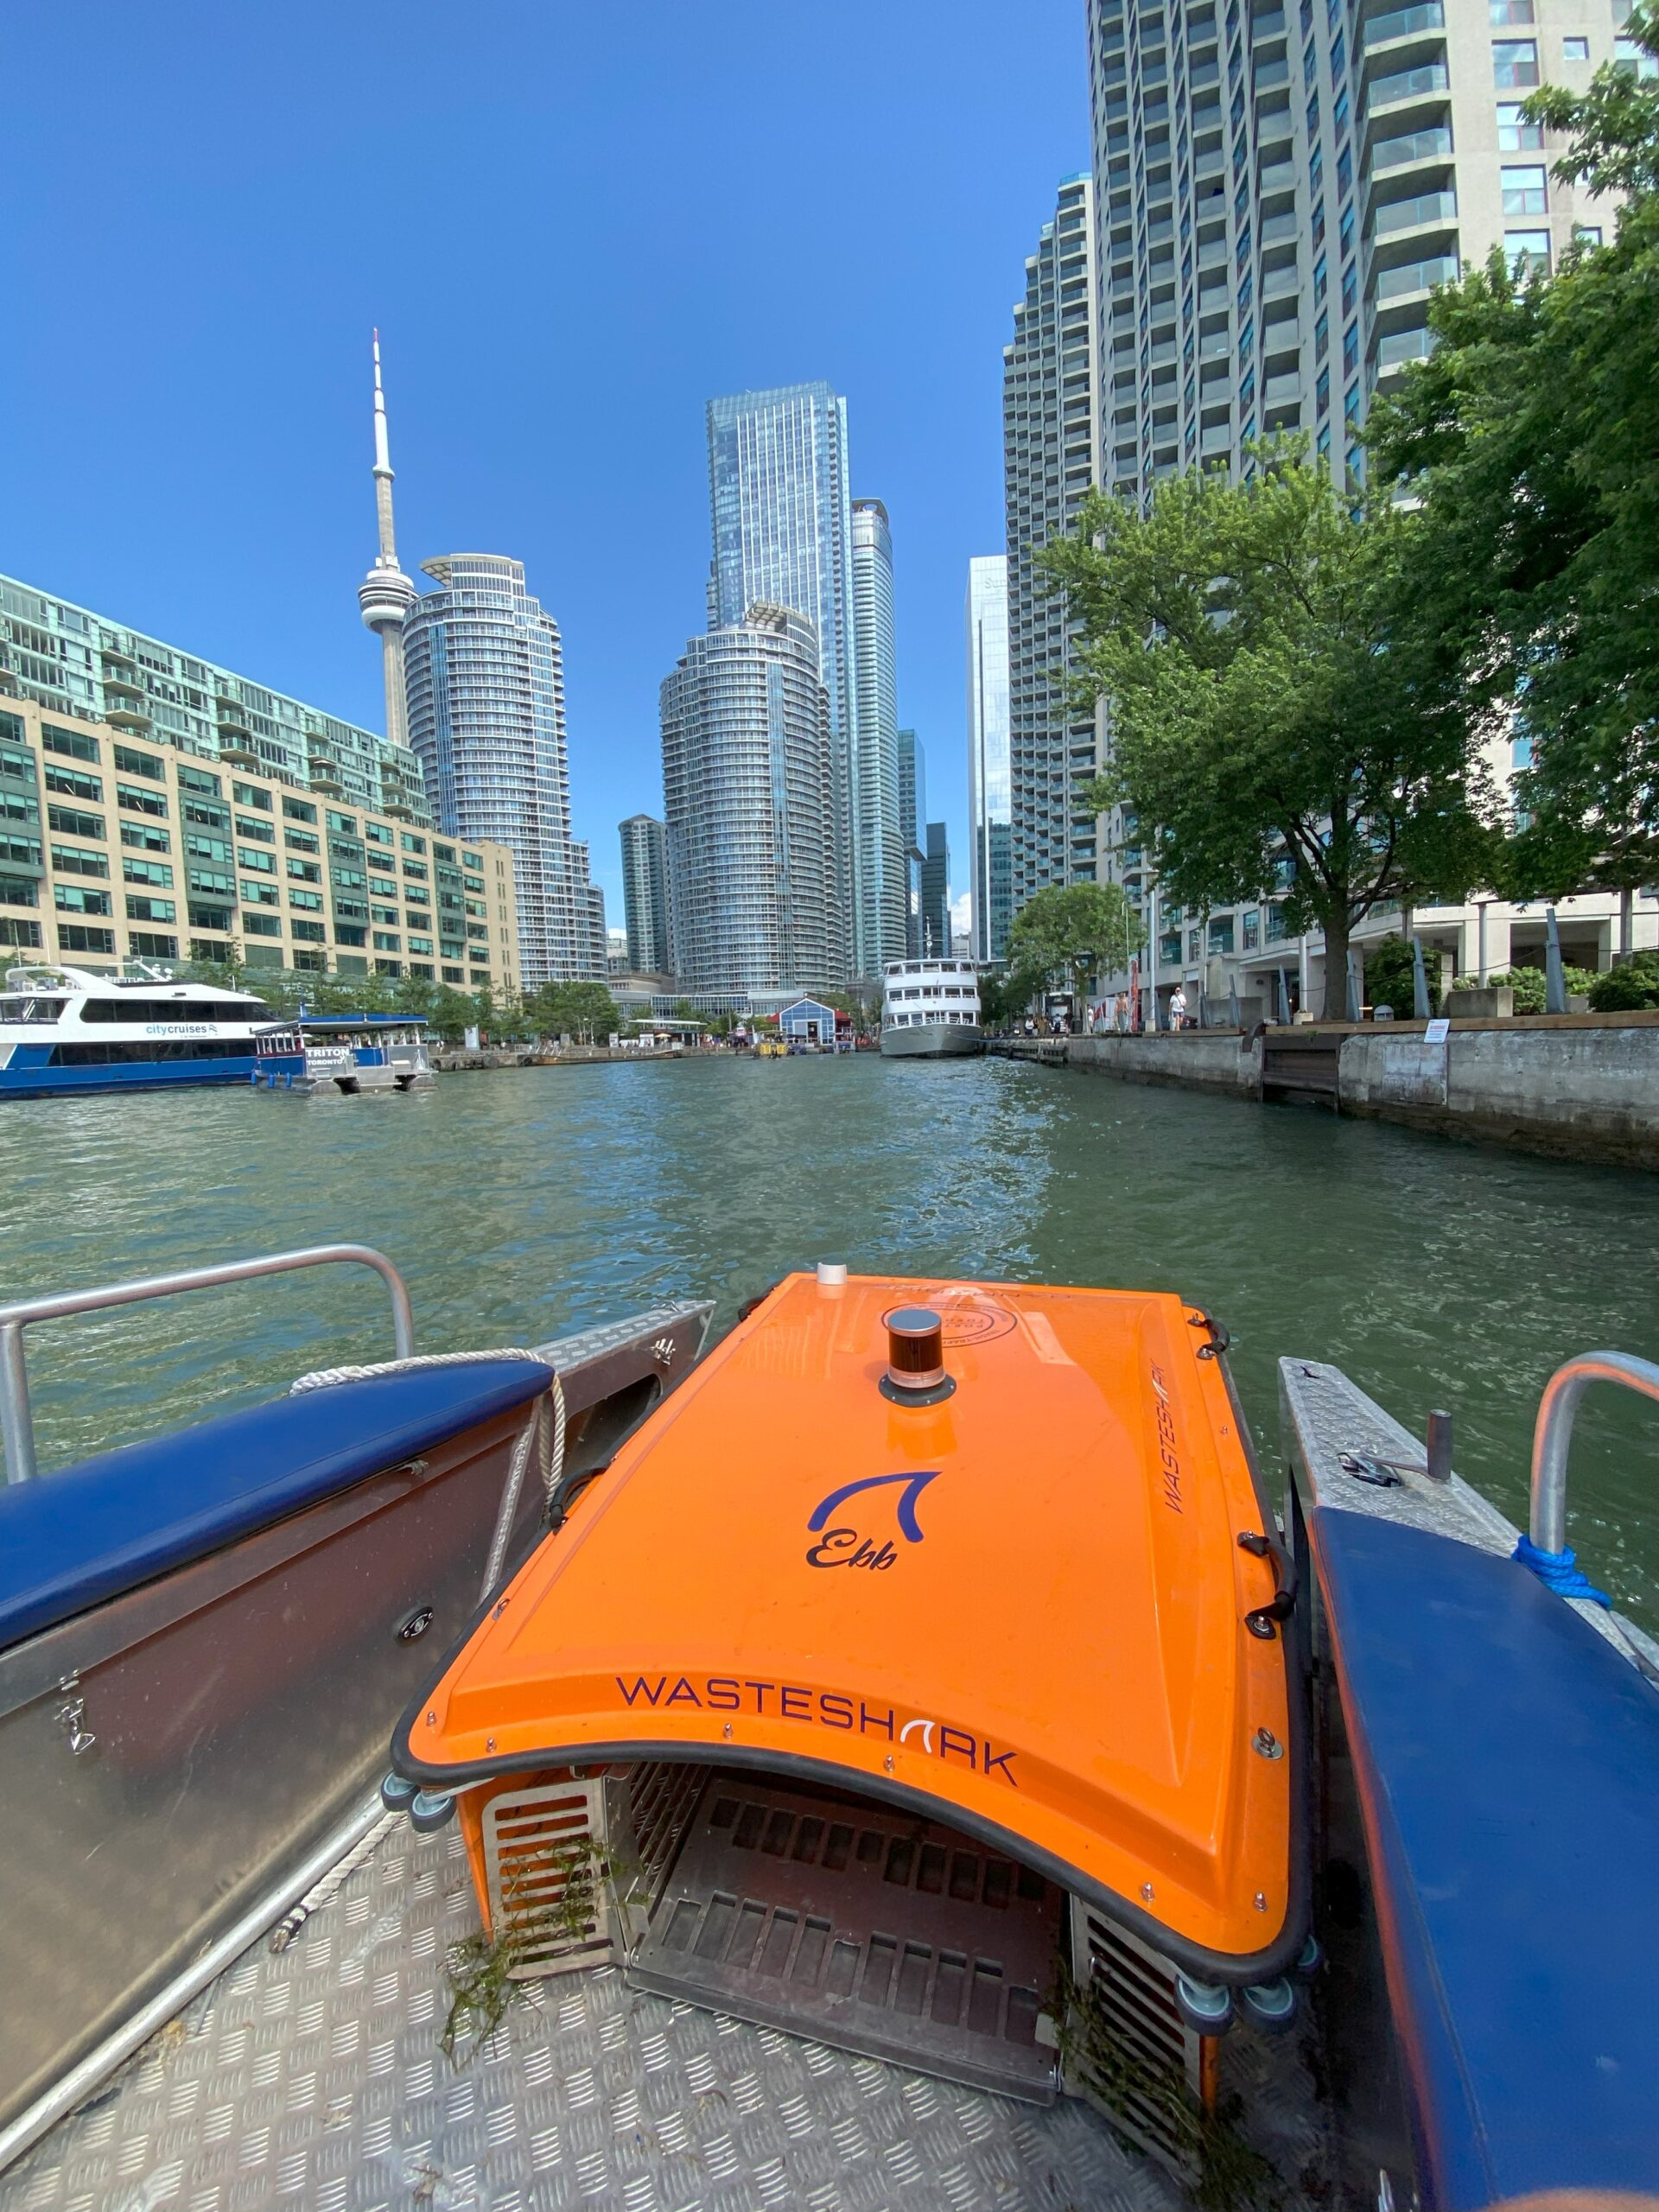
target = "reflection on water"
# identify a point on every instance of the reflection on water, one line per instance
(520, 1204)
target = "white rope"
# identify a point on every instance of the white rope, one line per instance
(322, 1378)
(320, 1893)
(550, 1450)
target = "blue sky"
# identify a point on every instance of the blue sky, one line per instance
(572, 223)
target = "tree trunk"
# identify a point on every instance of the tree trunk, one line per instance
(1336, 1007)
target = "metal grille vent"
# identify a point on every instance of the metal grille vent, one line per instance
(1133, 1991)
(650, 1809)
(863, 1928)
(547, 1865)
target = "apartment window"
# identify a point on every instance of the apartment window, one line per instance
(1502, 12)
(1524, 191)
(1586, 234)
(152, 910)
(1515, 64)
(74, 898)
(143, 839)
(1350, 404)
(262, 924)
(1252, 927)
(149, 946)
(70, 859)
(297, 811)
(1322, 396)
(1350, 287)
(71, 741)
(309, 932)
(302, 840)
(137, 802)
(252, 794)
(1528, 252)
(1320, 280)
(1345, 233)
(1350, 349)
(1322, 334)
(246, 827)
(1322, 444)
(153, 872)
(1344, 172)
(376, 833)
(385, 942)
(1514, 134)
(1575, 49)
(69, 822)
(72, 784)
(1340, 113)
(198, 779)
(307, 901)
(410, 844)
(72, 937)
(140, 764)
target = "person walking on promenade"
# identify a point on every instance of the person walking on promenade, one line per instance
(1178, 1009)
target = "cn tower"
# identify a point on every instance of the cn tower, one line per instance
(386, 594)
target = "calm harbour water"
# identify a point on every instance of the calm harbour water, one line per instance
(521, 1205)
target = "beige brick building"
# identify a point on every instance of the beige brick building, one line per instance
(114, 846)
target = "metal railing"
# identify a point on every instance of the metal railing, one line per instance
(16, 1427)
(1404, 22)
(1552, 1437)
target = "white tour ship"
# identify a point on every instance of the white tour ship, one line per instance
(929, 1008)
(67, 1030)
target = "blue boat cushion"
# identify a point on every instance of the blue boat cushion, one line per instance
(70, 1540)
(1508, 1762)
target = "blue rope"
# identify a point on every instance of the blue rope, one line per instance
(1560, 1572)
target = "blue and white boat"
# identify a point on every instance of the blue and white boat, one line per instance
(335, 1055)
(68, 1030)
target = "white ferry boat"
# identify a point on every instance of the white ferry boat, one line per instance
(68, 1030)
(929, 1008)
(344, 1054)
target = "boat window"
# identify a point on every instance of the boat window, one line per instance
(120, 1052)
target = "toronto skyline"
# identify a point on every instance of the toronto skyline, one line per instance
(203, 471)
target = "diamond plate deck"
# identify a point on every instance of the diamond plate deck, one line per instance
(312, 2077)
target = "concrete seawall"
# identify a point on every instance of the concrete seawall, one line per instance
(1574, 1086)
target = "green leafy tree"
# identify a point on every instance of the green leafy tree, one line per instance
(1390, 974)
(1530, 436)
(1005, 997)
(453, 1013)
(1276, 724)
(583, 1010)
(1072, 931)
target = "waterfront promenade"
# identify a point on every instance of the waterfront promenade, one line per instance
(1577, 1086)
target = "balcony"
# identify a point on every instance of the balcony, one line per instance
(1271, 74)
(1402, 346)
(1281, 391)
(1415, 277)
(1430, 145)
(1435, 207)
(1404, 22)
(1426, 79)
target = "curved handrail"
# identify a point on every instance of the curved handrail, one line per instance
(1553, 1436)
(16, 1428)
